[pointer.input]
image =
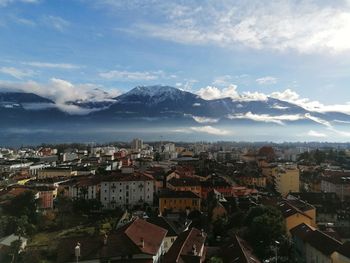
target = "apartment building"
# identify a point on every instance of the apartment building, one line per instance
(127, 190)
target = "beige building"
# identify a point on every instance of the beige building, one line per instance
(314, 246)
(296, 212)
(54, 172)
(286, 180)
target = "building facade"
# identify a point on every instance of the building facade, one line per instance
(127, 190)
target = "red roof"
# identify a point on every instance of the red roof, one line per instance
(147, 236)
(123, 243)
(13, 192)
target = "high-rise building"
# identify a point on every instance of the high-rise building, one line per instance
(136, 144)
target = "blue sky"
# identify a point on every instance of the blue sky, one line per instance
(296, 50)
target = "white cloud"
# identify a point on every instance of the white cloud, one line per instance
(341, 121)
(279, 119)
(182, 131)
(318, 120)
(124, 75)
(55, 22)
(4, 3)
(269, 24)
(313, 133)
(341, 133)
(279, 107)
(211, 92)
(227, 80)
(51, 65)
(291, 96)
(287, 95)
(16, 73)
(62, 92)
(23, 21)
(209, 130)
(268, 80)
(220, 81)
(253, 96)
(205, 119)
(186, 85)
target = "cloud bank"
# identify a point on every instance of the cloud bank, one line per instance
(256, 24)
(63, 92)
(210, 130)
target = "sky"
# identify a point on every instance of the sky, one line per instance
(295, 50)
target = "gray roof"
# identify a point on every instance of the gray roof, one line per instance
(6, 241)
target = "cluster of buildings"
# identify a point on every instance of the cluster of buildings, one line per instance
(177, 181)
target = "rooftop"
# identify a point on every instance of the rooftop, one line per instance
(291, 207)
(239, 251)
(135, 238)
(183, 246)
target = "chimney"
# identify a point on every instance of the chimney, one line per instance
(142, 243)
(105, 239)
(77, 250)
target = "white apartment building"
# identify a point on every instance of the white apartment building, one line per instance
(70, 156)
(127, 190)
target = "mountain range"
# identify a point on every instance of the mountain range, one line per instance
(158, 106)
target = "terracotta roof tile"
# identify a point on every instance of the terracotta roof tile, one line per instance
(140, 231)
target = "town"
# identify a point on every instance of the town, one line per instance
(175, 202)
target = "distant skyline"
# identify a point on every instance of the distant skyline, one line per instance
(296, 50)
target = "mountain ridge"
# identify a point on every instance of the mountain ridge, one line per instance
(163, 102)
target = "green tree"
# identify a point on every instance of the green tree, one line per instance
(156, 157)
(24, 204)
(265, 225)
(14, 250)
(319, 156)
(216, 260)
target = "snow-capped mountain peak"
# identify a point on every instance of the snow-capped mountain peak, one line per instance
(154, 91)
